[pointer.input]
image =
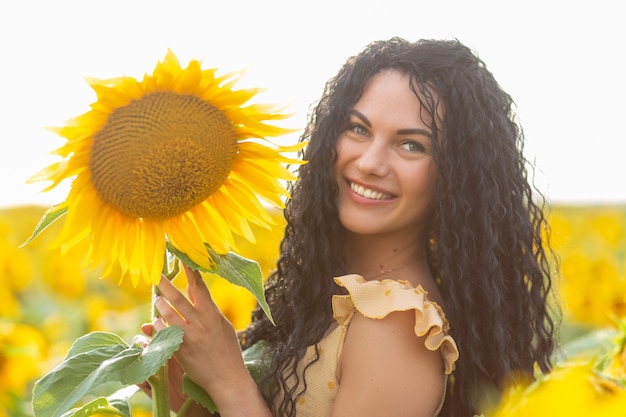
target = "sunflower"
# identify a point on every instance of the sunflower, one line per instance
(180, 157)
(573, 389)
(23, 348)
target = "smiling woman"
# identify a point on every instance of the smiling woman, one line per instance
(412, 226)
(384, 168)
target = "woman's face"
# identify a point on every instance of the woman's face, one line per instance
(384, 166)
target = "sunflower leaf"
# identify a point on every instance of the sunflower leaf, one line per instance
(243, 272)
(235, 269)
(50, 216)
(256, 360)
(116, 404)
(198, 394)
(92, 341)
(98, 363)
(98, 406)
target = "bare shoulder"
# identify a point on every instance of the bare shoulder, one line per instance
(385, 366)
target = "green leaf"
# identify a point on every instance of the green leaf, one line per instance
(121, 399)
(93, 341)
(116, 404)
(234, 269)
(50, 216)
(97, 406)
(243, 272)
(94, 363)
(74, 378)
(198, 394)
(257, 360)
(155, 355)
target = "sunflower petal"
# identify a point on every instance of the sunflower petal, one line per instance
(187, 239)
(206, 227)
(232, 216)
(225, 241)
(255, 151)
(263, 184)
(243, 199)
(153, 244)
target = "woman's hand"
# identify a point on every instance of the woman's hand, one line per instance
(210, 354)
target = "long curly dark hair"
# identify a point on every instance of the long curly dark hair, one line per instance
(488, 250)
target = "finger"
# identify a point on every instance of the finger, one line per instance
(167, 313)
(198, 291)
(192, 275)
(174, 302)
(140, 340)
(160, 324)
(196, 287)
(194, 278)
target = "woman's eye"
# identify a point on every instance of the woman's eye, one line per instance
(358, 129)
(413, 146)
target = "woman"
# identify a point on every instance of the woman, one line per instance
(416, 198)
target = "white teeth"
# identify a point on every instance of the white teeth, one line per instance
(367, 193)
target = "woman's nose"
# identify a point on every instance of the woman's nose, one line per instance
(374, 159)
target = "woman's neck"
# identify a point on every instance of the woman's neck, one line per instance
(374, 256)
(377, 258)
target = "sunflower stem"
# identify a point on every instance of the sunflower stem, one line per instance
(183, 408)
(158, 381)
(160, 398)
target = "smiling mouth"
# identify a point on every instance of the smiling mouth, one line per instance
(369, 194)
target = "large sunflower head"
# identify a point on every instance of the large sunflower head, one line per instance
(179, 156)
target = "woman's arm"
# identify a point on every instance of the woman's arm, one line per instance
(385, 369)
(210, 354)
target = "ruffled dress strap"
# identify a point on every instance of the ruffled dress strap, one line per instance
(377, 299)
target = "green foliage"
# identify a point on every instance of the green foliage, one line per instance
(592, 344)
(98, 360)
(256, 359)
(50, 216)
(116, 404)
(235, 269)
(198, 395)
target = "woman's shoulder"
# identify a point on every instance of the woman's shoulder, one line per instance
(379, 299)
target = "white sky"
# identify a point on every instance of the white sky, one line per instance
(564, 62)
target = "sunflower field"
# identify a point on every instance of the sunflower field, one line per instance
(48, 299)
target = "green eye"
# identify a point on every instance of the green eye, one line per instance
(413, 146)
(358, 129)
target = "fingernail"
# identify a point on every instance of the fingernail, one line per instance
(147, 329)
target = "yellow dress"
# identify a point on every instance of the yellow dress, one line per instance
(373, 299)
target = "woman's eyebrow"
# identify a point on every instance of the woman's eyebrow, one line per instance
(361, 116)
(423, 132)
(416, 131)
